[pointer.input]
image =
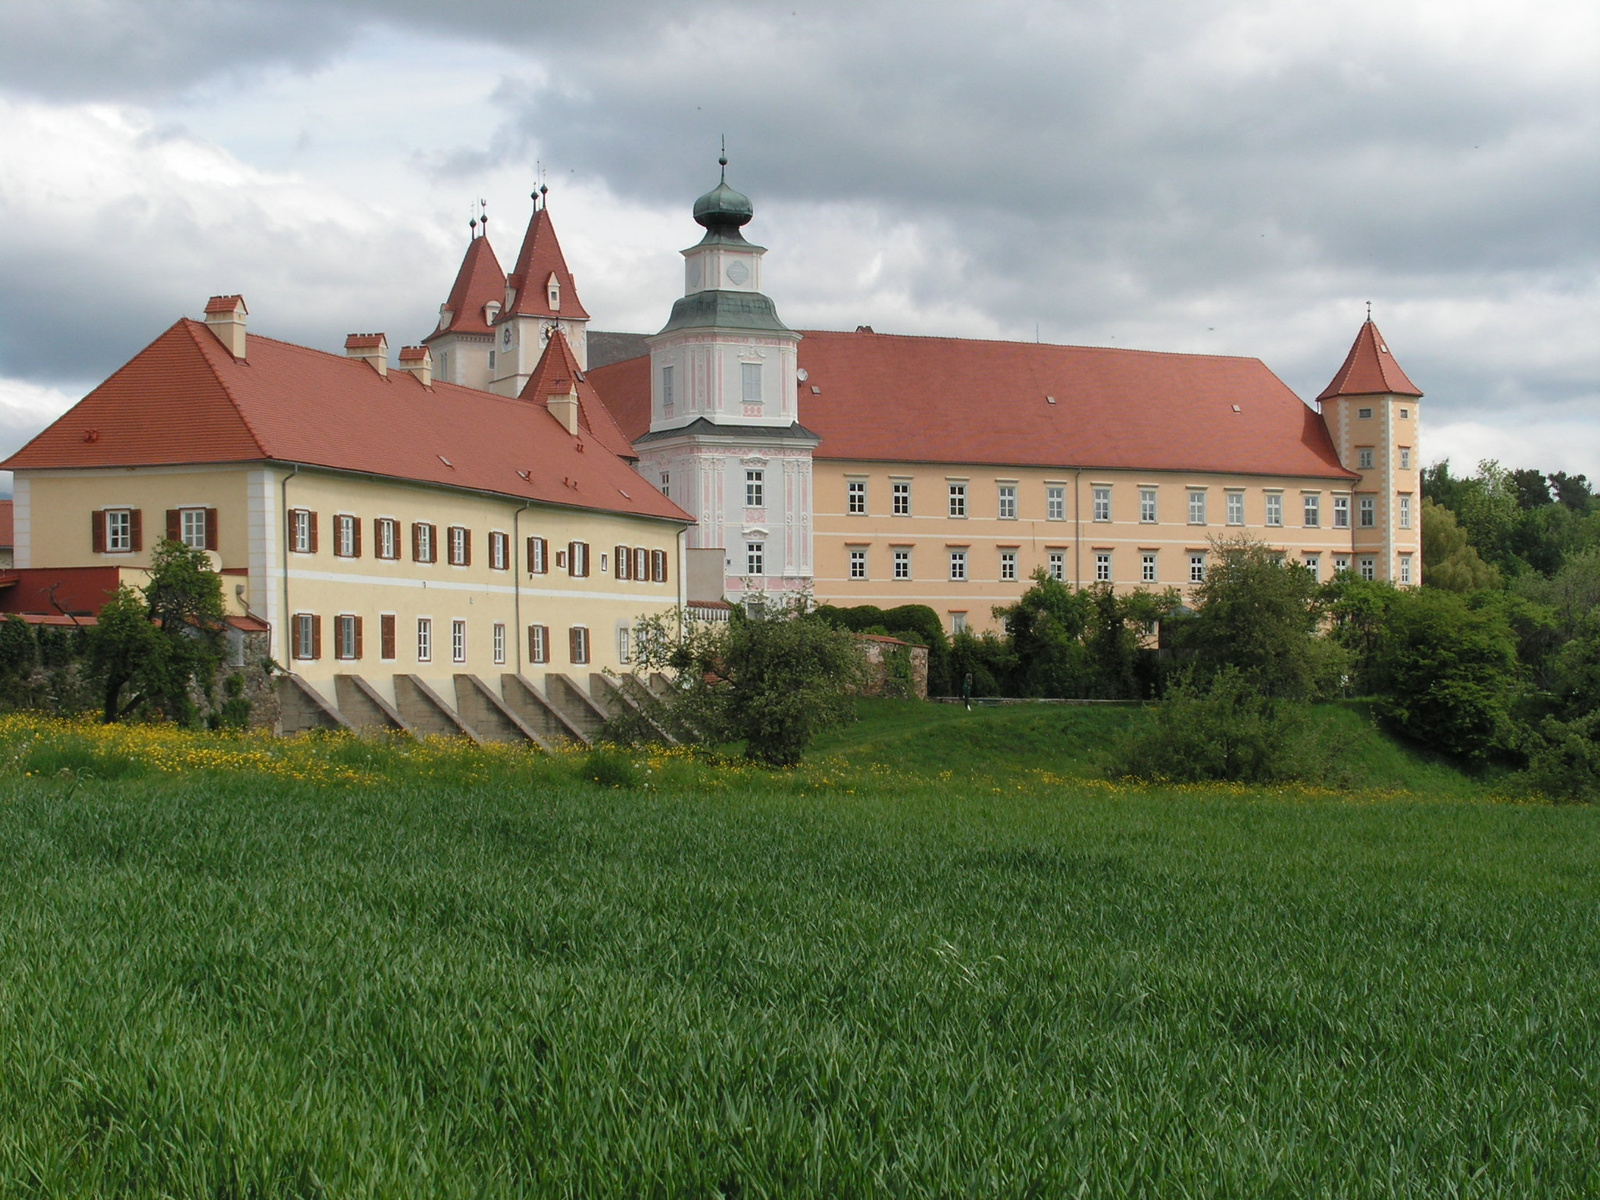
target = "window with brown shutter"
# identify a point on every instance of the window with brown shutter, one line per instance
(499, 552)
(578, 644)
(459, 548)
(174, 524)
(658, 566)
(355, 535)
(316, 636)
(538, 643)
(538, 556)
(312, 518)
(136, 528)
(423, 546)
(624, 558)
(358, 637)
(97, 531)
(641, 564)
(386, 635)
(211, 529)
(578, 559)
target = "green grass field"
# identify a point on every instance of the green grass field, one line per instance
(958, 965)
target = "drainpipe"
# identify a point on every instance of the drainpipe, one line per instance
(283, 525)
(1077, 539)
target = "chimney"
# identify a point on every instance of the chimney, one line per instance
(225, 317)
(564, 406)
(374, 347)
(419, 361)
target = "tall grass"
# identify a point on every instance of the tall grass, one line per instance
(465, 974)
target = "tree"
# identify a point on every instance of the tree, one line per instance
(1571, 490)
(1259, 614)
(1449, 560)
(1533, 491)
(1446, 673)
(156, 645)
(1046, 628)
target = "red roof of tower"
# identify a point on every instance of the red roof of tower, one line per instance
(185, 399)
(555, 375)
(539, 259)
(479, 281)
(885, 397)
(1369, 369)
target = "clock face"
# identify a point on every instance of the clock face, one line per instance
(505, 336)
(738, 272)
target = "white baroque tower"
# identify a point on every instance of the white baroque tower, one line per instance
(725, 441)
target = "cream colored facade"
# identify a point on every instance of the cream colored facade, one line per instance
(477, 615)
(1132, 529)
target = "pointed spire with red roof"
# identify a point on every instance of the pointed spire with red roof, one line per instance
(540, 264)
(479, 282)
(1369, 369)
(558, 374)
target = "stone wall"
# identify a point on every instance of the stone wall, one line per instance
(893, 667)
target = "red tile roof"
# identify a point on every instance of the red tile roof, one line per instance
(539, 259)
(479, 281)
(555, 375)
(185, 399)
(1369, 369)
(885, 397)
(7, 526)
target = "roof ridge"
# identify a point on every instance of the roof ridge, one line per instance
(947, 337)
(190, 323)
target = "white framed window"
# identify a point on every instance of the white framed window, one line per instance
(1369, 512)
(499, 642)
(1405, 414)
(755, 488)
(553, 293)
(1058, 565)
(346, 536)
(1274, 508)
(1405, 568)
(460, 546)
(499, 552)
(458, 641)
(1197, 507)
(578, 560)
(1006, 505)
(1055, 502)
(856, 496)
(424, 639)
(624, 646)
(1341, 562)
(900, 493)
(119, 530)
(958, 622)
(1341, 512)
(538, 643)
(1233, 503)
(422, 549)
(386, 533)
(1405, 512)
(1405, 458)
(347, 636)
(755, 557)
(1364, 458)
(1364, 414)
(858, 563)
(1102, 504)
(668, 397)
(666, 484)
(578, 644)
(1313, 564)
(958, 499)
(1369, 568)
(306, 631)
(1147, 506)
(192, 528)
(1197, 568)
(1102, 566)
(958, 564)
(1008, 564)
(750, 379)
(302, 531)
(902, 562)
(1312, 505)
(1147, 567)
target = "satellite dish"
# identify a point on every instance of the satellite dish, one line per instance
(801, 375)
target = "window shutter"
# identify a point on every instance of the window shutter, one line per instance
(622, 557)
(355, 536)
(641, 564)
(358, 637)
(136, 528)
(97, 531)
(466, 547)
(416, 542)
(658, 565)
(211, 529)
(311, 525)
(533, 643)
(386, 635)
(174, 525)
(316, 637)
(572, 644)
(583, 558)
(531, 559)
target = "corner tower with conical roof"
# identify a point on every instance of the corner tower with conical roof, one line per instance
(1372, 412)
(725, 440)
(462, 341)
(541, 299)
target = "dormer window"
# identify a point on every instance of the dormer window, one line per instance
(491, 311)
(553, 289)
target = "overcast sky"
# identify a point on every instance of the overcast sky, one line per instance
(1226, 177)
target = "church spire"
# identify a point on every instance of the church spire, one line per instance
(1369, 369)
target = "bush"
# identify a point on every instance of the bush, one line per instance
(1565, 759)
(609, 768)
(1225, 730)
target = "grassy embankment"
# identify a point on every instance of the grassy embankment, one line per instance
(956, 966)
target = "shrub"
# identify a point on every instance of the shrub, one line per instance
(1224, 729)
(1565, 759)
(609, 768)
